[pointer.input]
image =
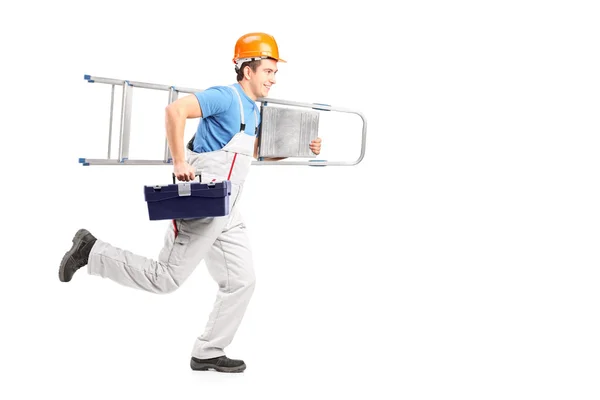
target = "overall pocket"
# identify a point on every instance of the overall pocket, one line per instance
(179, 248)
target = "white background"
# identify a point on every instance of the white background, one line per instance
(458, 260)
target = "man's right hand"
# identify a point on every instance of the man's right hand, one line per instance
(184, 171)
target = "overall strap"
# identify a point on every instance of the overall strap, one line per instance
(242, 124)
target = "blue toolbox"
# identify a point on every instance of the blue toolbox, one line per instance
(188, 200)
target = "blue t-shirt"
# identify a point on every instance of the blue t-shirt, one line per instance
(221, 117)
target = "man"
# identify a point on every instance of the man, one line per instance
(223, 148)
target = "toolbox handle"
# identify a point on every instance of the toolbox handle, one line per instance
(197, 173)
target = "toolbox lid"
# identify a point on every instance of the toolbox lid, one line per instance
(192, 189)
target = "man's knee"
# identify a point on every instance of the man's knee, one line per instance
(247, 280)
(171, 278)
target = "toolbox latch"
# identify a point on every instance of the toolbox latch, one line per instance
(184, 189)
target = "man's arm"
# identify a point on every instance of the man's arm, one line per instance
(175, 115)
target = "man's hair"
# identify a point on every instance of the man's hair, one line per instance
(252, 64)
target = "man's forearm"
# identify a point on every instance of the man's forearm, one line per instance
(175, 125)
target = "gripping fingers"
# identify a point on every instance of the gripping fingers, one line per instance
(315, 146)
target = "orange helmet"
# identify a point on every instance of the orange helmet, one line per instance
(255, 46)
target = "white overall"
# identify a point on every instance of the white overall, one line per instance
(221, 241)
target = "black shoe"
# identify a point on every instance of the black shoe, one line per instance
(77, 257)
(221, 364)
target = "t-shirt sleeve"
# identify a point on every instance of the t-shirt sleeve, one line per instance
(214, 100)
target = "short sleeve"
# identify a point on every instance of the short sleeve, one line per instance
(214, 100)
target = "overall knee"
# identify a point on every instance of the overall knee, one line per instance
(171, 279)
(169, 288)
(244, 282)
(164, 284)
(249, 280)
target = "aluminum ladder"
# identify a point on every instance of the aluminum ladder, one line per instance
(173, 93)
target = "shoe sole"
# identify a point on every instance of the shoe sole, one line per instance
(197, 366)
(76, 240)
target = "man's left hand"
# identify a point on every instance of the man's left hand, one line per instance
(315, 146)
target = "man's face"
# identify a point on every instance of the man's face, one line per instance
(264, 77)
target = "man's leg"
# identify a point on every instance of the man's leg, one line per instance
(230, 264)
(183, 249)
